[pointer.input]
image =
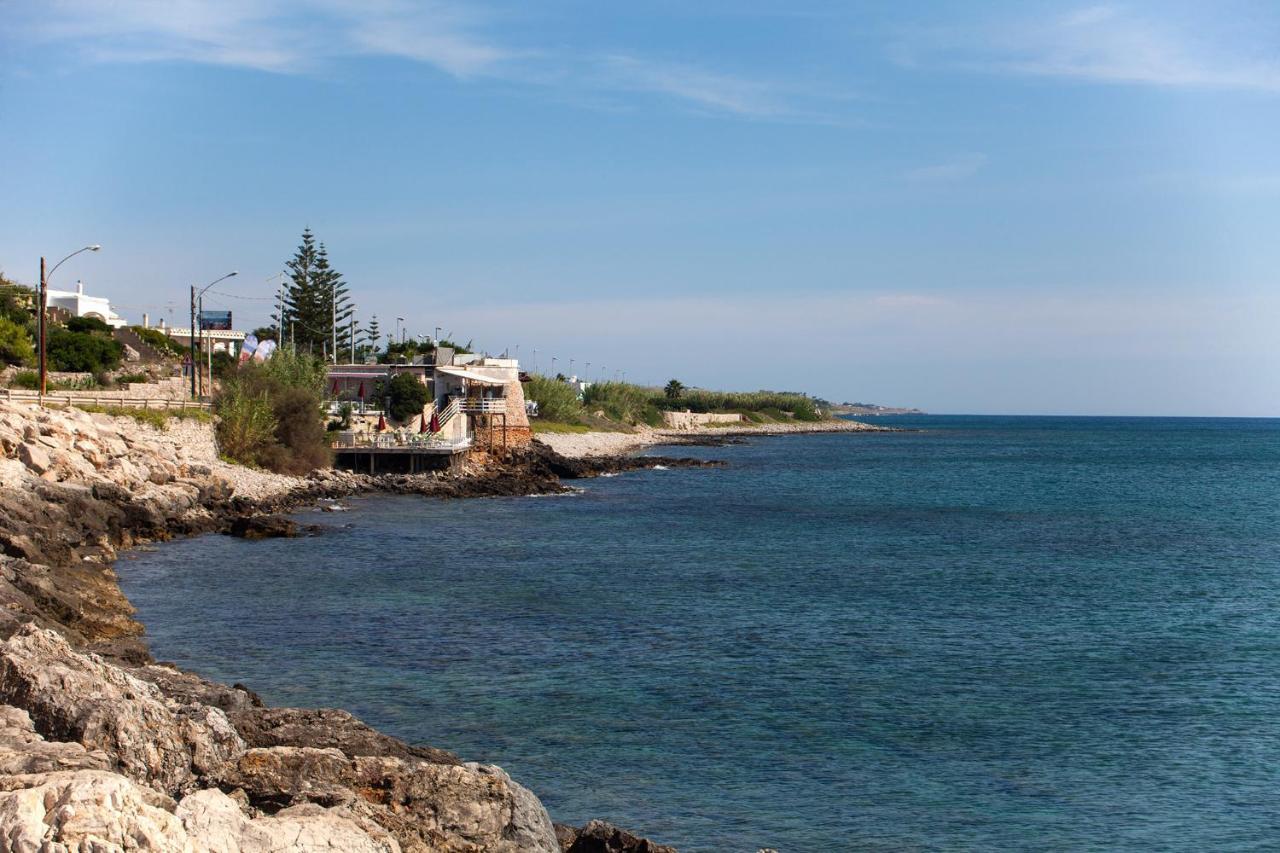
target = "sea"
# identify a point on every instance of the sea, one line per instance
(979, 633)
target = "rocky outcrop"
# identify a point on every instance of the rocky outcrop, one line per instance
(601, 837)
(102, 749)
(147, 737)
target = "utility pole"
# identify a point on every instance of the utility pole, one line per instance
(192, 330)
(353, 337)
(333, 306)
(44, 302)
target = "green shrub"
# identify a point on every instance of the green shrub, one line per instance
(407, 396)
(301, 442)
(27, 379)
(270, 414)
(88, 324)
(16, 346)
(132, 378)
(246, 423)
(557, 401)
(158, 340)
(82, 352)
(622, 401)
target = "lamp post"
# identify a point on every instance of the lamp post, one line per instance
(44, 304)
(199, 297)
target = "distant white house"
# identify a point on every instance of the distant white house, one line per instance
(80, 305)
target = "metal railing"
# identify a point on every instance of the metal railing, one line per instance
(493, 406)
(393, 441)
(88, 398)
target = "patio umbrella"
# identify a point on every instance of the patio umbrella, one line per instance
(423, 427)
(361, 392)
(382, 423)
(334, 392)
(435, 422)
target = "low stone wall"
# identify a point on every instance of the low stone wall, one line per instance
(694, 420)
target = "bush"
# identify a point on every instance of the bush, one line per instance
(159, 341)
(622, 401)
(16, 346)
(88, 324)
(557, 401)
(132, 378)
(15, 302)
(27, 379)
(407, 396)
(246, 425)
(82, 352)
(301, 442)
(270, 414)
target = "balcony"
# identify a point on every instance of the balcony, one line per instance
(495, 406)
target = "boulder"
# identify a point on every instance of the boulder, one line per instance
(23, 751)
(216, 822)
(263, 527)
(424, 805)
(325, 728)
(34, 457)
(79, 697)
(599, 836)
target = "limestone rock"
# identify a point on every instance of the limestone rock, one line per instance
(77, 697)
(325, 728)
(218, 825)
(86, 810)
(424, 805)
(34, 457)
(23, 751)
(599, 836)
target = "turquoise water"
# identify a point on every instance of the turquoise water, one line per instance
(1000, 633)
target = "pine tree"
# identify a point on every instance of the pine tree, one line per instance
(371, 334)
(315, 301)
(332, 293)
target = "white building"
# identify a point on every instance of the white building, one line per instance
(80, 305)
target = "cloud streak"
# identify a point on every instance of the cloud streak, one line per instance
(301, 36)
(1102, 44)
(955, 169)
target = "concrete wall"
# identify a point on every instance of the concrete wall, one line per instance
(694, 420)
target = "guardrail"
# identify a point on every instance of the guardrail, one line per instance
(483, 407)
(78, 398)
(398, 442)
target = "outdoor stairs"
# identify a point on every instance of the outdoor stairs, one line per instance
(448, 412)
(146, 352)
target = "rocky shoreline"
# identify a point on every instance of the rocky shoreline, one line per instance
(103, 749)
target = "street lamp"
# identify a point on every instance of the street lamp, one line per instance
(199, 297)
(44, 303)
(399, 320)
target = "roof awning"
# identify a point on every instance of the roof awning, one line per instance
(470, 375)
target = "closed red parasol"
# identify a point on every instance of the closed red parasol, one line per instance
(382, 423)
(334, 392)
(423, 427)
(435, 422)
(360, 394)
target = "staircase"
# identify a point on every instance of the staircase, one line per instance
(146, 352)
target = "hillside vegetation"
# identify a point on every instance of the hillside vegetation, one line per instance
(628, 404)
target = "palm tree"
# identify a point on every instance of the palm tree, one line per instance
(674, 389)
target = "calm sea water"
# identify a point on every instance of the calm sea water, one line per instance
(999, 633)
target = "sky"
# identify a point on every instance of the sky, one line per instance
(1004, 207)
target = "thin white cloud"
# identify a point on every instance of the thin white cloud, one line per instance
(299, 36)
(955, 169)
(718, 92)
(1105, 44)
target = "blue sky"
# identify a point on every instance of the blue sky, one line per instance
(1001, 207)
